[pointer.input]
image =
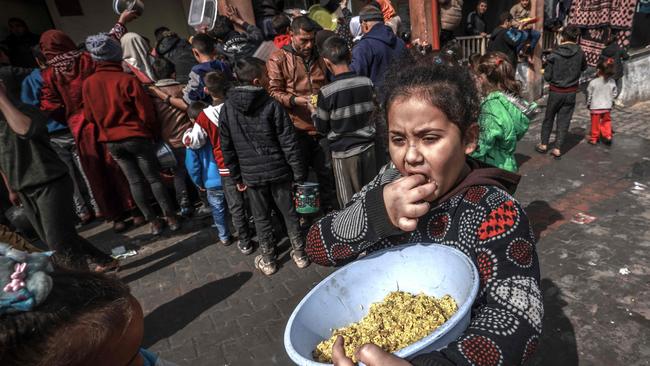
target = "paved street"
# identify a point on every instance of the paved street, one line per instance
(206, 305)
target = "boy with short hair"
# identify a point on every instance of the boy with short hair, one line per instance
(562, 72)
(203, 48)
(343, 115)
(505, 38)
(261, 151)
(204, 172)
(173, 122)
(216, 85)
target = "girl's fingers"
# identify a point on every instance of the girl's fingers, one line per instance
(407, 224)
(338, 354)
(416, 210)
(410, 182)
(421, 192)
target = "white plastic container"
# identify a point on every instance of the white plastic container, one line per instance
(345, 296)
(203, 14)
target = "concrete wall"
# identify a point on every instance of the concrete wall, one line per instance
(636, 82)
(100, 17)
(34, 12)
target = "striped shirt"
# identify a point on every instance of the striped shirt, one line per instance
(343, 112)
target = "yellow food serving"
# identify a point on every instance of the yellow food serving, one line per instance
(401, 319)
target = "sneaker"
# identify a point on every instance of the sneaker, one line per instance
(607, 142)
(268, 268)
(226, 242)
(300, 258)
(245, 248)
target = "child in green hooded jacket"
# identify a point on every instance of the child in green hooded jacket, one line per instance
(503, 119)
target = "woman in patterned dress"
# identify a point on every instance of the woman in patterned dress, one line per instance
(433, 192)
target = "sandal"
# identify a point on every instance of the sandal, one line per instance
(557, 155)
(541, 150)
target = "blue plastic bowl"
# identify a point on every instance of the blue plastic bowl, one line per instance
(345, 296)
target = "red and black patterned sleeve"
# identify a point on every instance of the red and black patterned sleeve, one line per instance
(507, 314)
(118, 31)
(342, 235)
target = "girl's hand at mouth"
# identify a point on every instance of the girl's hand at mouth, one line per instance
(405, 200)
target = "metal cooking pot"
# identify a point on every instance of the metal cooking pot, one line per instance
(121, 6)
(165, 155)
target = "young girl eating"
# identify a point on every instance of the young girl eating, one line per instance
(433, 192)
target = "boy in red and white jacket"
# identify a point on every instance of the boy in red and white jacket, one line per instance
(217, 84)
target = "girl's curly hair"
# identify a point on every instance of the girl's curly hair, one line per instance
(442, 83)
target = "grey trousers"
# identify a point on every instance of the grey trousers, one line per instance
(352, 173)
(262, 198)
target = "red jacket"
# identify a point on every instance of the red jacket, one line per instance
(118, 105)
(210, 126)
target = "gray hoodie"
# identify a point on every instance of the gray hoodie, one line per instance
(565, 65)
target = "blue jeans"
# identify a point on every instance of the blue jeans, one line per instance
(217, 201)
(529, 35)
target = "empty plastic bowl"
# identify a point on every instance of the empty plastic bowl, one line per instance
(345, 296)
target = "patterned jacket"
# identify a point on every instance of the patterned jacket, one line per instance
(487, 224)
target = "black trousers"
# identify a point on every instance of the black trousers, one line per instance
(137, 159)
(180, 176)
(262, 198)
(315, 157)
(50, 210)
(559, 109)
(237, 208)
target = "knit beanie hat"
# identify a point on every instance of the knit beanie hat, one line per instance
(103, 47)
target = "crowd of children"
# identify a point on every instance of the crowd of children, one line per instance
(245, 132)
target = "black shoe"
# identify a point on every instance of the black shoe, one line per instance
(245, 248)
(607, 142)
(226, 242)
(203, 211)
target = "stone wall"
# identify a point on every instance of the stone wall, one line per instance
(636, 82)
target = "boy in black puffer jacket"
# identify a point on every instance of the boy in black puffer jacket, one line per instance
(261, 151)
(562, 71)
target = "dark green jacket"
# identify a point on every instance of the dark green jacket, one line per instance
(502, 125)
